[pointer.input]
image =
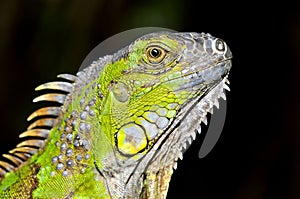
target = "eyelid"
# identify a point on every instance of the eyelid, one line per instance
(159, 45)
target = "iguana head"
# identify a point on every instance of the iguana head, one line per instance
(149, 112)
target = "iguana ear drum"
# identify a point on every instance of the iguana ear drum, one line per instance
(131, 139)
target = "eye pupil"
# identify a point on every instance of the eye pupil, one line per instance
(155, 52)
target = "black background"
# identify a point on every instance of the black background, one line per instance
(257, 156)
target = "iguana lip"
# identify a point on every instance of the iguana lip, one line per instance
(191, 75)
(206, 75)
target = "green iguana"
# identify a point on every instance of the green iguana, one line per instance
(122, 122)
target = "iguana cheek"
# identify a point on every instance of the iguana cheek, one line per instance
(131, 139)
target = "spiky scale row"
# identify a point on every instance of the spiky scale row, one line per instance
(62, 86)
(24, 150)
(6, 166)
(17, 161)
(2, 172)
(47, 111)
(46, 122)
(34, 143)
(51, 97)
(69, 77)
(22, 156)
(202, 108)
(43, 133)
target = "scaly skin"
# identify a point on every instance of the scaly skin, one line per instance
(124, 123)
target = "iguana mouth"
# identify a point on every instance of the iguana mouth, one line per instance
(198, 79)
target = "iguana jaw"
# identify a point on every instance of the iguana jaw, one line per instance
(158, 172)
(151, 176)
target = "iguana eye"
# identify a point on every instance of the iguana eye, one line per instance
(155, 54)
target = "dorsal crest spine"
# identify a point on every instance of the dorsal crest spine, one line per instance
(42, 119)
